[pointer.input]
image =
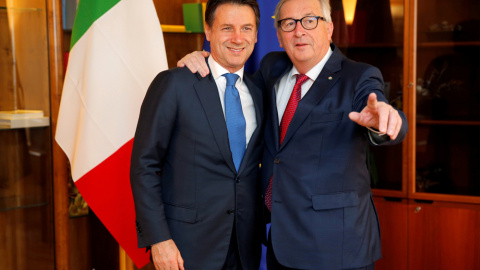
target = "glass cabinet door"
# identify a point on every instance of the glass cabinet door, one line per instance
(26, 205)
(448, 97)
(372, 31)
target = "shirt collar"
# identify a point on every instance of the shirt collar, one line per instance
(217, 70)
(315, 71)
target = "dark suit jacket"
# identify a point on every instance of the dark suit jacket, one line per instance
(323, 216)
(183, 178)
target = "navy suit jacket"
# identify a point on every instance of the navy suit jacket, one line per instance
(183, 178)
(323, 216)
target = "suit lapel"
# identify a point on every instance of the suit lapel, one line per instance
(258, 103)
(208, 94)
(322, 85)
(274, 121)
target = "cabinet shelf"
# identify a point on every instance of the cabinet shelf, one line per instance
(371, 45)
(448, 44)
(19, 9)
(13, 203)
(173, 28)
(25, 123)
(448, 122)
(452, 198)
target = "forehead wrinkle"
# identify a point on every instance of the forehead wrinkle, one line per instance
(303, 12)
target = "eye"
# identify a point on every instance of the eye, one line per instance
(288, 23)
(309, 20)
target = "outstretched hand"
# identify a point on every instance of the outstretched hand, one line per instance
(195, 62)
(378, 115)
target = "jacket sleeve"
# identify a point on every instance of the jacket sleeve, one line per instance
(371, 81)
(154, 131)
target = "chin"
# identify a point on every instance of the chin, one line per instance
(237, 63)
(303, 55)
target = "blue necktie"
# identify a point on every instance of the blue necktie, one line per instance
(235, 120)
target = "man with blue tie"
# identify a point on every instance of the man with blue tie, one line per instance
(196, 154)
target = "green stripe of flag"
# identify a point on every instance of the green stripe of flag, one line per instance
(87, 13)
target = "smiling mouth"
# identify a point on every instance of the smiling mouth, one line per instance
(236, 49)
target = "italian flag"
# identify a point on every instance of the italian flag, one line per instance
(117, 49)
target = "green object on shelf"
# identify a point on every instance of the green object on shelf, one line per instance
(193, 17)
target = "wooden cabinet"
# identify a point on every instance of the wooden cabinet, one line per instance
(443, 235)
(427, 191)
(393, 216)
(27, 239)
(448, 100)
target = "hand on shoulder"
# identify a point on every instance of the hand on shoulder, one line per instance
(195, 62)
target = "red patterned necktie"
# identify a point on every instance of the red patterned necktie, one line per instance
(287, 117)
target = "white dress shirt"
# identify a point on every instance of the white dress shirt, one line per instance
(285, 86)
(248, 107)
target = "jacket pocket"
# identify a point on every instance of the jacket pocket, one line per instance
(180, 213)
(335, 200)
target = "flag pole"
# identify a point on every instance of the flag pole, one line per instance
(125, 262)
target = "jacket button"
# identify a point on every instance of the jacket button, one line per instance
(237, 180)
(230, 211)
(139, 230)
(277, 160)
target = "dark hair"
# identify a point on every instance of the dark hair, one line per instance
(212, 6)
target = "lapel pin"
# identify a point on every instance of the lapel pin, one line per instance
(330, 78)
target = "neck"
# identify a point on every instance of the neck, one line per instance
(303, 69)
(306, 66)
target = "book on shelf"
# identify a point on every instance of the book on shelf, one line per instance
(21, 114)
(193, 17)
(25, 123)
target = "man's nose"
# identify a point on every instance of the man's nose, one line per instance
(236, 36)
(299, 30)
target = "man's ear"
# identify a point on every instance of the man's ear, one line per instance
(279, 39)
(207, 31)
(330, 30)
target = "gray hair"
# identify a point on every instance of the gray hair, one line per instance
(325, 4)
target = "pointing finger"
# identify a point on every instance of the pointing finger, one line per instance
(372, 101)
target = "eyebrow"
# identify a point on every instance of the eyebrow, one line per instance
(304, 15)
(229, 24)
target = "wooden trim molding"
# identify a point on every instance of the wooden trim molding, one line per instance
(410, 73)
(60, 172)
